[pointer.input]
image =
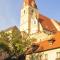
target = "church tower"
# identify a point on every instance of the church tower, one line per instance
(28, 19)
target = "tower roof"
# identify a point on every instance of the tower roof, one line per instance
(30, 2)
(27, 2)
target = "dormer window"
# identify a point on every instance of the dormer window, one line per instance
(34, 47)
(51, 41)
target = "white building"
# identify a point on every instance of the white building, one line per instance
(46, 50)
(41, 28)
(34, 23)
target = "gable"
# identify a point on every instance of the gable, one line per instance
(47, 23)
(44, 45)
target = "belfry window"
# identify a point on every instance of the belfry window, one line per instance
(24, 11)
(32, 11)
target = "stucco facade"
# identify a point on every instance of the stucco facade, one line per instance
(53, 54)
(42, 29)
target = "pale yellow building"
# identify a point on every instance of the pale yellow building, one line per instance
(46, 50)
(42, 29)
(35, 24)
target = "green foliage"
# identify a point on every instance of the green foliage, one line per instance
(4, 42)
(4, 47)
(20, 41)
(15, 44)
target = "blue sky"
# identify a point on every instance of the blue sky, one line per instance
(10, 11)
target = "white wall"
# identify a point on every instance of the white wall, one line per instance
(57, 26)
(51, 55)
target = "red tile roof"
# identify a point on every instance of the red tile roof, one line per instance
(44, 45)
(56, 44)
(46, 23)
(28, 2)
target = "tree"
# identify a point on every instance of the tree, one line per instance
(4, 42)
(20, 41)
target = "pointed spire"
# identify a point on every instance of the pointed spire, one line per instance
(30, 2)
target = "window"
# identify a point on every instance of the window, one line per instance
(32, 11)
(46, 56)
(34, 47)
(24, 11)
(35, 22)
(51, 41)
(58, 56)
(41, 57)
(32, 57)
